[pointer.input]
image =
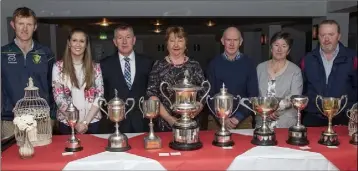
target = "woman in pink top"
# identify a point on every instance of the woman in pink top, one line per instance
(76, 77)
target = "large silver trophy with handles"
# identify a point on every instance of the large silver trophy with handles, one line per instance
(297, 134)
(150, 110)
(117, 142)
(223, 106)
(185, 130)
(73, 144)
(265, 106)
(352, 125)
(331, 107)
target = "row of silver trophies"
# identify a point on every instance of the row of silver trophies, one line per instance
(186, 130)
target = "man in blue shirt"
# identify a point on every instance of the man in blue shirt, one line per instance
(236, 70)
(21, 59)
(330, 70)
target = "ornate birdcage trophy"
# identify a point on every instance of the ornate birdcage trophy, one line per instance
(150, 110)
(117, 142)
(352, 125)
(297, 134)
(223, 105)
(32, 104)
(185, 130)
(265, 106)
(331, 107)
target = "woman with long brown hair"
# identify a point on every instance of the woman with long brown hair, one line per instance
(78, 79)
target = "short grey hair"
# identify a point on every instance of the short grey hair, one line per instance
(123, 26)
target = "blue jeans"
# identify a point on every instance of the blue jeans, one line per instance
(66, 130)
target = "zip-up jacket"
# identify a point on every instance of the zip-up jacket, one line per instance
(341, 81)
(17, 67)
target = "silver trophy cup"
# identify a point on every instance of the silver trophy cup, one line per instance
(185, 130)
(150, 110)
(265, 106)
(297, 134)
(117, 142)
(352, 125)
(73, 144)
(223, 106)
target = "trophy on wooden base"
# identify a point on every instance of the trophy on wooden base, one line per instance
(150, 110)
(223, 105)
(297, 134)
(331, 107)
(185, 130)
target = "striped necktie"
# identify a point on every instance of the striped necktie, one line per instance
(127, 72)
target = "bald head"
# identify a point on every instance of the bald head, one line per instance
(232, 41)
(232, 32)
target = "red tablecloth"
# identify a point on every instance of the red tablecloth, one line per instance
(50, 157)
(208, 158)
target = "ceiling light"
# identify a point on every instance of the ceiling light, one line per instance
(157, 23)
(104, 23)
(157, 30)
(210, 23)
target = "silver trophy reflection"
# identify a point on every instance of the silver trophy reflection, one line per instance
(73, 144)
(150, 110)
(117, 142)
(297, 134)
(185, 130)
(353, 121)
(331, 107)
(265, 106)
(223, 105)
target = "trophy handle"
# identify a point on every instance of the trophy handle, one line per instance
(319, 97)
(238, 104)
(348, 114)
(161, 90)
(133, 103)
(344, 96)
(207, 102)
(141, 100)
(101, 99)
(242, 102)
(207, 91)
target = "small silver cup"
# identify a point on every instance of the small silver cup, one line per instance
(150, 110)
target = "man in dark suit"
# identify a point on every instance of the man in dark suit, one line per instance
(127, 72)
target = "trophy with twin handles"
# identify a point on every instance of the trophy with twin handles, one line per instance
(185, 130)
(223, 106)
(331, 107)
(265, 106)
(150, 110)
(117, 142)
(352, 125)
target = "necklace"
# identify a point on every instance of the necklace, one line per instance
(177, 65)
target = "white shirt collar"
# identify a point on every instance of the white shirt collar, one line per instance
(32, 44)
(131, 56)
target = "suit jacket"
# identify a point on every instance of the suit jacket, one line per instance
(113, 79)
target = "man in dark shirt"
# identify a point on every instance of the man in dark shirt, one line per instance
(236, 70)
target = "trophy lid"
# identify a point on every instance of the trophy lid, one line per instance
(223, 94)
(30, 85)
(71, 107)
(116, 100)
(185, 85)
